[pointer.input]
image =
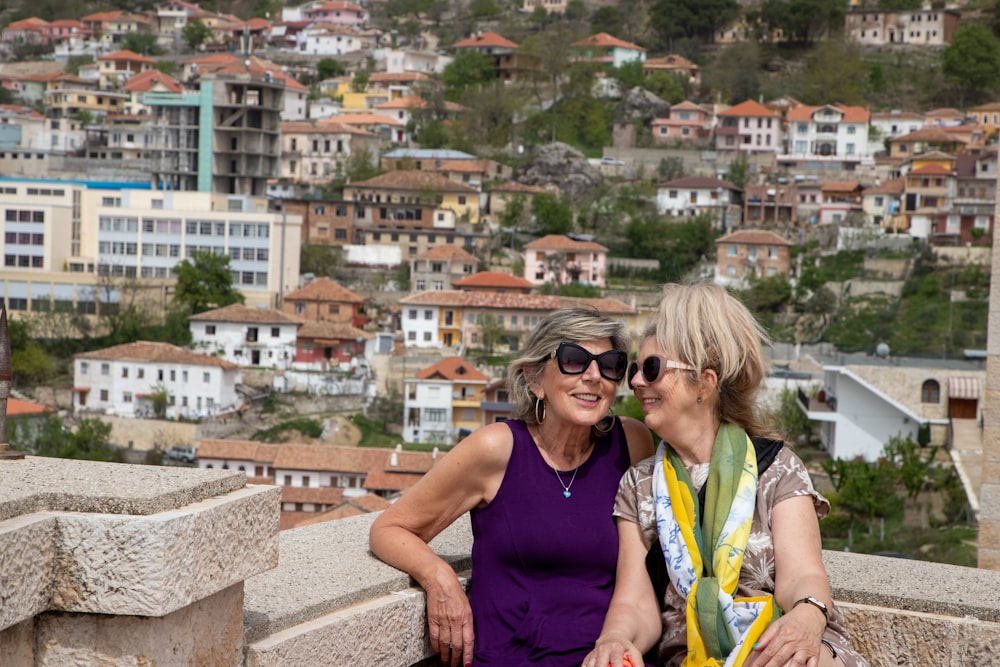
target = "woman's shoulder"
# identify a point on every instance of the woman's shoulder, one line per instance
(488, 445)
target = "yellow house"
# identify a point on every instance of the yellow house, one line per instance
(454, 201)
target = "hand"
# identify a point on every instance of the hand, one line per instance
(791, 641)
(449, 624)
(613, 651)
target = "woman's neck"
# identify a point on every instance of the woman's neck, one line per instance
(565, 448)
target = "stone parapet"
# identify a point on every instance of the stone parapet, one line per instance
(106, 545)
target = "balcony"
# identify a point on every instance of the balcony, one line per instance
(189, 566)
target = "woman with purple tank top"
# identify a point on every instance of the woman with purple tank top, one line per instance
(540, 489)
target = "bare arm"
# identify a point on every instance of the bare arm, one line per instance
(640, 442)
(799, 572)
(464, 478)
(632, 625)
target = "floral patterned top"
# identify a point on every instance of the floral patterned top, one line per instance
(785, 478)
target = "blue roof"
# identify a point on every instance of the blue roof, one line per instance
(428, 154)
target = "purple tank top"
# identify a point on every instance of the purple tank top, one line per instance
(543, 566)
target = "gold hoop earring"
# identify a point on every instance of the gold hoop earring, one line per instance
(604, 426)
(539, 418)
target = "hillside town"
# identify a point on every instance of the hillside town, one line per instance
(117, 166)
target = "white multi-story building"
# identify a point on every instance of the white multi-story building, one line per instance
(121, 381)
(427, 408)
(259, 337)
(54, 228)
(832, 132)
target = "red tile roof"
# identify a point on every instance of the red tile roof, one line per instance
(486, 39)
(698, 183)
(18, 408)
(514, 301)
(155, 352)
(894, 186)
(753, 237)
(325, 290)
(125, 54)
(413, 179)
(241, 314)
(362, 119)
(455, 369)
(932, 170)
(237, 450)
(493, 279)
(850, 114)
(560, 242)
(750, 109)
(606, 40)
(332, 331)
(325, 127)
(145, 81)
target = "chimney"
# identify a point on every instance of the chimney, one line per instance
(6, 380)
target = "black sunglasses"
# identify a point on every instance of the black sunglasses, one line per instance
(653, 367)
(574, 360)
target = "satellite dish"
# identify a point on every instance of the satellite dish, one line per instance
(882, 350)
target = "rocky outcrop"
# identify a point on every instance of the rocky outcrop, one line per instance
(640, 105)
(561, 168)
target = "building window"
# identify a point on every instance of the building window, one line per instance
(104, 396)
(275, 332)
(930, 392)
(209, 329)
(105, 369)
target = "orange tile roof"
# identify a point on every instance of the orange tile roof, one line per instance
(989, 106)
(397, 77)
(448, 251)
(125, 54)
(753, 237)
(326, 127)
(931, 133)
(486, 39)
(321, 495)
(604, 39)
(669, 61)
(19, 408)
(328, 459)
(144, 81)
(413, 179)
(850, 114)
(894, 186)
(514, 301)
(370, 502)
(332, 331)
(454, 369)
(560, 242)
(326, 290)
(493, 279)
(155, 352)
(750, 109)
(241, 314)
(102, 16)
(932, 170)
(362, 119)
(32, 23)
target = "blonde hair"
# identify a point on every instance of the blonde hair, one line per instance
(574, 325)
(701, 324)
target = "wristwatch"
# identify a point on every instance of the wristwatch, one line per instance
(816, 603)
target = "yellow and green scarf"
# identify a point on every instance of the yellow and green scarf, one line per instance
(704, 554)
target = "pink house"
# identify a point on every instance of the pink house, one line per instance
(560, 259)
(342, 13)
(749, 126)
(687, 123)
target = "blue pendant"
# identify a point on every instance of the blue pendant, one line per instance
(567, 494)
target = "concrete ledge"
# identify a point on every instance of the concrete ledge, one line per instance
(330, 601)
(184, 537)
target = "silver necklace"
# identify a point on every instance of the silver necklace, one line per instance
(566, 491)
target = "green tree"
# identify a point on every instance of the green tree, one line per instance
(913, 462)
(204, 282)
(468, 69)
(607, 19)
(789, 419)
(484, 9)
(972, 61)
(490, 333)
(739, 169)
(834, 71)
(552, 215)
(766, 296)
(630, 75)
(736, 72)
(195, 33)
(359, 83)
(802, 21)
(387, 410)
(865, 491)
(143, 42)
(320, 259)
(672, 19)
(31, 363)
(668, 87)
(90, 441)
(327, 68)
(159, 398)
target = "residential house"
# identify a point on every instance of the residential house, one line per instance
(559, 260)
(863, 406)
(454, 201)
(550, 6)
(326, 344)
(340, 13)
(750, 253)
(116, 68)
(496, 282)
(929, 26)
(507, 63)
(882, 203)
(439, 268)
(749, 126)
(408, 109)
(398, 61)
(971, 216)
(314, 152)
(331, 39)
(770, 204)
(327, 222)
(30, 31)
(452, 318)
(945, 116)
(693, 195)
(150, 81)
(68, 97)
(455, 165)
(256, 337)
(326, 300)
(688, 123)
(810, 191)
(443, 402)
(832, 132)
(841, 202)
(497, 403)
(986, 115)
(292, 98)
(503, 196)
(388, 86)
(25, 421)
(124, 379)
(125, 137)
(889, 125)
(603, 49)
(387, 128)
(109, 28)
(924, 140)
(676, 65)
(171, 17)
(930, 189)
